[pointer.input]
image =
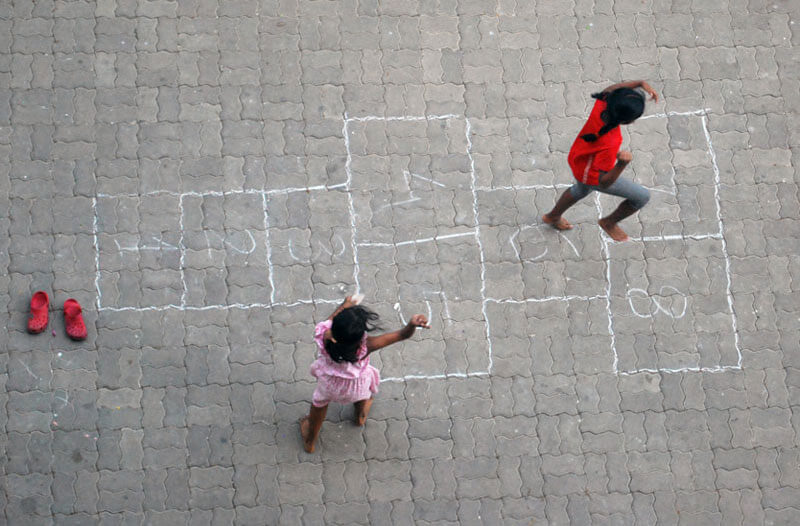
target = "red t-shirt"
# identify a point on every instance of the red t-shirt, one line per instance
(587, 159)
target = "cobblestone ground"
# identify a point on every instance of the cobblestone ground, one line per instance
(209, 178)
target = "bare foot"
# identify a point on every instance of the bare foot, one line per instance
(613, 230)
(362, 410)
(304, 432)
(560, 224)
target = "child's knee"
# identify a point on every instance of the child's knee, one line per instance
(642, 198)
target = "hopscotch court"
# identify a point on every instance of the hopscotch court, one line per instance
(412, 228)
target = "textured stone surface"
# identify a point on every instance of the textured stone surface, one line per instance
(209, 178)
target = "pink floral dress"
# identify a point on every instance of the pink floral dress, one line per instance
(343, 382)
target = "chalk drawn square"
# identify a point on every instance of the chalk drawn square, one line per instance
(310, 245)
(224, 247)
(528, 259)
(139, 251)
(438, 278)
(674, 159)
(549, 337)
(670, 306)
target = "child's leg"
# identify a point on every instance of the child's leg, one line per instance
(311, 425)
(362, 410)
(636, 196)
(571, 196)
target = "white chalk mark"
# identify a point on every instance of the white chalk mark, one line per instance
(408, 118)
(333, 252)
(226, 241)
(430, 312)
(445, 376)
(516, 234)
(543, 300)
(715, 167)
(185, 290)
(216, 193)
(437, 183)
(158, 245)
(268, 247)
(476, 215)
(668, 192)
(350, 205)
(418, 241)
(399, 203)
(293, 255)
(97, 300)
(654, 301)
(574, 248)
(704, 111)
(514, 188)
(400, 313)
(28, 369)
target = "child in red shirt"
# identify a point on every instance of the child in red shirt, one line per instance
(594, 153)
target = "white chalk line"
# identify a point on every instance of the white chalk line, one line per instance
(437, 183)
(607, 257)
(227, 306)
(351, 206)
(545, 299)
(704, 111)
(97, 299)
(474, 184)
(217, 193)
(417, 241)
(410, 118)
(183, 254)
(715, 167)
(444, 376)
(677, 237)
(270, 268)
(514, 188)
(678, 370)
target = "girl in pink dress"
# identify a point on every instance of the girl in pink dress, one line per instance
(342, 369)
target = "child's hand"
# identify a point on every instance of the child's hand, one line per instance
(650, 91)
(348, 302)
(419, 320)
(624, 156)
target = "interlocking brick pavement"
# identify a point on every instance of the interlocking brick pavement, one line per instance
(209, 178)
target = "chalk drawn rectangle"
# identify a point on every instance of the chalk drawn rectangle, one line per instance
(555, 336)
(138, 251)
(672, 310)
(442, 280)
(224, 250)
(310, 246)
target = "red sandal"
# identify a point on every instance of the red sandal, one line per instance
(40, 312)
(73, 319)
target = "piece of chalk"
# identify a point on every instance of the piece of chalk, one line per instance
(357, 299)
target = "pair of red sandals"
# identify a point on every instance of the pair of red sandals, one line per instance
(40, 314)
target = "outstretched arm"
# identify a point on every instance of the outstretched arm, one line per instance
(633, 84)
(378, 342)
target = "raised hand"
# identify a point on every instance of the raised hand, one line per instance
(419, 320)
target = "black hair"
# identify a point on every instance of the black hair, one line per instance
(624, 105)
(348, 329)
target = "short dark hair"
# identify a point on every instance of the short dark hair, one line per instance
(624, 105)
(348, 329)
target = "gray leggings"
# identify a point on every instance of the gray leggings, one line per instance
(635, 194)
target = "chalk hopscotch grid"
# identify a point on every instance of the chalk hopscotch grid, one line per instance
(476, 233)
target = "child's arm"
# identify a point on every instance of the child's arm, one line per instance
(608, 178)
(633, 84)
(346, 304)
(378, 342)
